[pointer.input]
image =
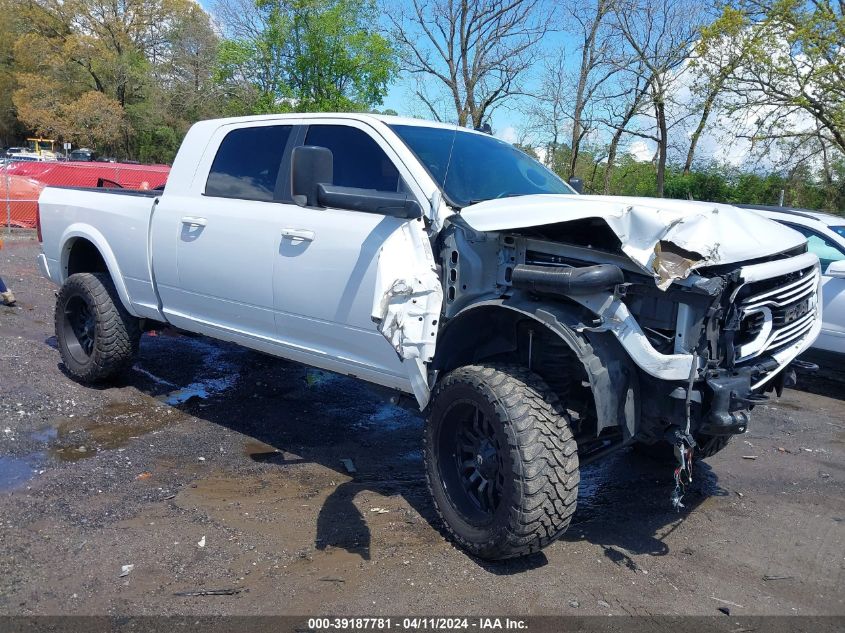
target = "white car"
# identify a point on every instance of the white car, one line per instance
(825, 235)
(537, 328)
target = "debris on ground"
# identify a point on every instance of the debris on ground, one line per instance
(733, 604)
(201, 542)
(144, 476)
(379, 510)
(778, 577)
(329, 579)
(125, 569)
(749, 457)
(208, 592)
(725, 610)
(348, 465)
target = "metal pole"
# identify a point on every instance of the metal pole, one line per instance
(780, 199)
(8, 202)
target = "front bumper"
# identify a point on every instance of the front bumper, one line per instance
(733, 393)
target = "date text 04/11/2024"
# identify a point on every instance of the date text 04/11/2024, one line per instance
(416, 624)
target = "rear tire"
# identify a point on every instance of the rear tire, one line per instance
(501, 462)
(97, 337)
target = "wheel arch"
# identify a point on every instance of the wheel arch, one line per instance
(85, 250)
(489, 329)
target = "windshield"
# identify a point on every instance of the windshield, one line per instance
(481, 167)
(839, 229)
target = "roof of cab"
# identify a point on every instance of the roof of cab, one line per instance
(386, 119)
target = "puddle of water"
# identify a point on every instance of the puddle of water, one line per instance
(412, 456)
(392, 418)
(45, 435)
(215, 376)
(202, 389)
(14, 473)
(318, 377)
(74, 439)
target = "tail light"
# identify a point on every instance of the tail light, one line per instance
(38, 222)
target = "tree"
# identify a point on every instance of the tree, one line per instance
(10, 28)
(306, 55)
(793, 78)
(595, 68)
(717, 55)
(153, 58)
(660, 33)
(477, 51)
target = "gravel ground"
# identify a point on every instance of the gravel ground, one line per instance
(208, 466)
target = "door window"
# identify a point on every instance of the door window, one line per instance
(358, 160)
(247, 164)
(820, 246)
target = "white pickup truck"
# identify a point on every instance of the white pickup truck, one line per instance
(534, 326)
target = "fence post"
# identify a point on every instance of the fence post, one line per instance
(8, 201)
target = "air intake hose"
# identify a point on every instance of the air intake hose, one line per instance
(560, 280)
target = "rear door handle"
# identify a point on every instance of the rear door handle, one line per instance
(298, 234)
(194, 221)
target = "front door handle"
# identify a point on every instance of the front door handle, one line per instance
(191, 220)
(298, 234)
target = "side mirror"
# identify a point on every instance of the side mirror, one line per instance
(310, 166)
(836, 269)
(397, 205)
(577, 184)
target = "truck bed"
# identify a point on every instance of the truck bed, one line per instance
(117, 222)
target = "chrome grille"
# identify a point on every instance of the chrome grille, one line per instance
(776, 312)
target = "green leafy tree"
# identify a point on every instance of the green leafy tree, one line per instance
(304, 55)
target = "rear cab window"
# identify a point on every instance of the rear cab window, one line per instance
(247, 163)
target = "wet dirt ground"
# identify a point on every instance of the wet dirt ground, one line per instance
(210, 467)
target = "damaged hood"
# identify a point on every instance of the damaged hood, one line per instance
(666, 238)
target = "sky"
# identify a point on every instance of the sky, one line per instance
(508, 121)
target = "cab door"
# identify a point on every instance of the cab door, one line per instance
(225, 237)
(331, 263)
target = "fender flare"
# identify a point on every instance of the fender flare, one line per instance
(614, 378)
(88, 232)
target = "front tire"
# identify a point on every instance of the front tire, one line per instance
(501, 462)
(97, 337)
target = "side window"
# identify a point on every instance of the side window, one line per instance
(247, 163)
(824, 249)
(358, 160)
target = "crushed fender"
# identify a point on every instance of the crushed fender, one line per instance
(407, 302)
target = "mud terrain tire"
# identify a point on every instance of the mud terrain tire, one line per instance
(97, 337)
(501, 462)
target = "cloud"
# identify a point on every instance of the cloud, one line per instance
(508, 135)
(641, 151)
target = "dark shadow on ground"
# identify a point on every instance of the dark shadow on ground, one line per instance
(308, 416)
(624, 505)
(829, 380)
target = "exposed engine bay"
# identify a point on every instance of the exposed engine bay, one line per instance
(680, 355)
